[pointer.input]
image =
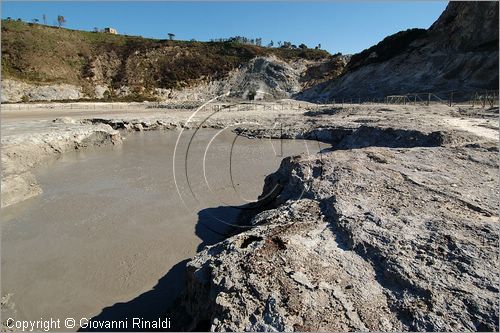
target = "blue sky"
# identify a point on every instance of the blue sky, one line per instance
(346, 27)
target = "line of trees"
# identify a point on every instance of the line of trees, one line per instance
(239, 39)
(258, 42)
(61, 21)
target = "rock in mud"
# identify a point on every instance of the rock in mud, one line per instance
(365, 239)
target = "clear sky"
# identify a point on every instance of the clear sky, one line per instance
(346, 27)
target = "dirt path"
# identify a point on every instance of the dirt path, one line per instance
(487, 128)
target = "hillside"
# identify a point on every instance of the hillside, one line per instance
(105, 65)
(459, 52)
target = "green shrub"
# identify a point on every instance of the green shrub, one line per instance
(389, 47)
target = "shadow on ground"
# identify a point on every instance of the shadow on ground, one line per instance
(216, 224)
(213, 225)
(150, 305)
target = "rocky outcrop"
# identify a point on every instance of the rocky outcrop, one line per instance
(325, 70)
(261, 78)
(369, 239)
(16, 91)
(468, 26)
(393, 230)
(458, 52)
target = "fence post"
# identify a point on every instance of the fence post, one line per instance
(451, 98)
(428, 99)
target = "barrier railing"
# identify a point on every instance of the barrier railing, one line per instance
(486, 98)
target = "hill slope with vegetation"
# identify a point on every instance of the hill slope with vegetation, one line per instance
(39, 55)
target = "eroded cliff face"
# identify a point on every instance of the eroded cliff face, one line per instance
(458, 52)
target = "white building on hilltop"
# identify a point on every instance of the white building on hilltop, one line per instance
(110, 31)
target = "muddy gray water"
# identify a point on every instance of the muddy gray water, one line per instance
(111, 232)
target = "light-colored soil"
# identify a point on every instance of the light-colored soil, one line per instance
(486, 128)
(32, 135)
(390, 207)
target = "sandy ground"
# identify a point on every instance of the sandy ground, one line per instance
(462, 117)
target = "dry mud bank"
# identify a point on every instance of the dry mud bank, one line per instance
(394, 228)
(25, 147)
